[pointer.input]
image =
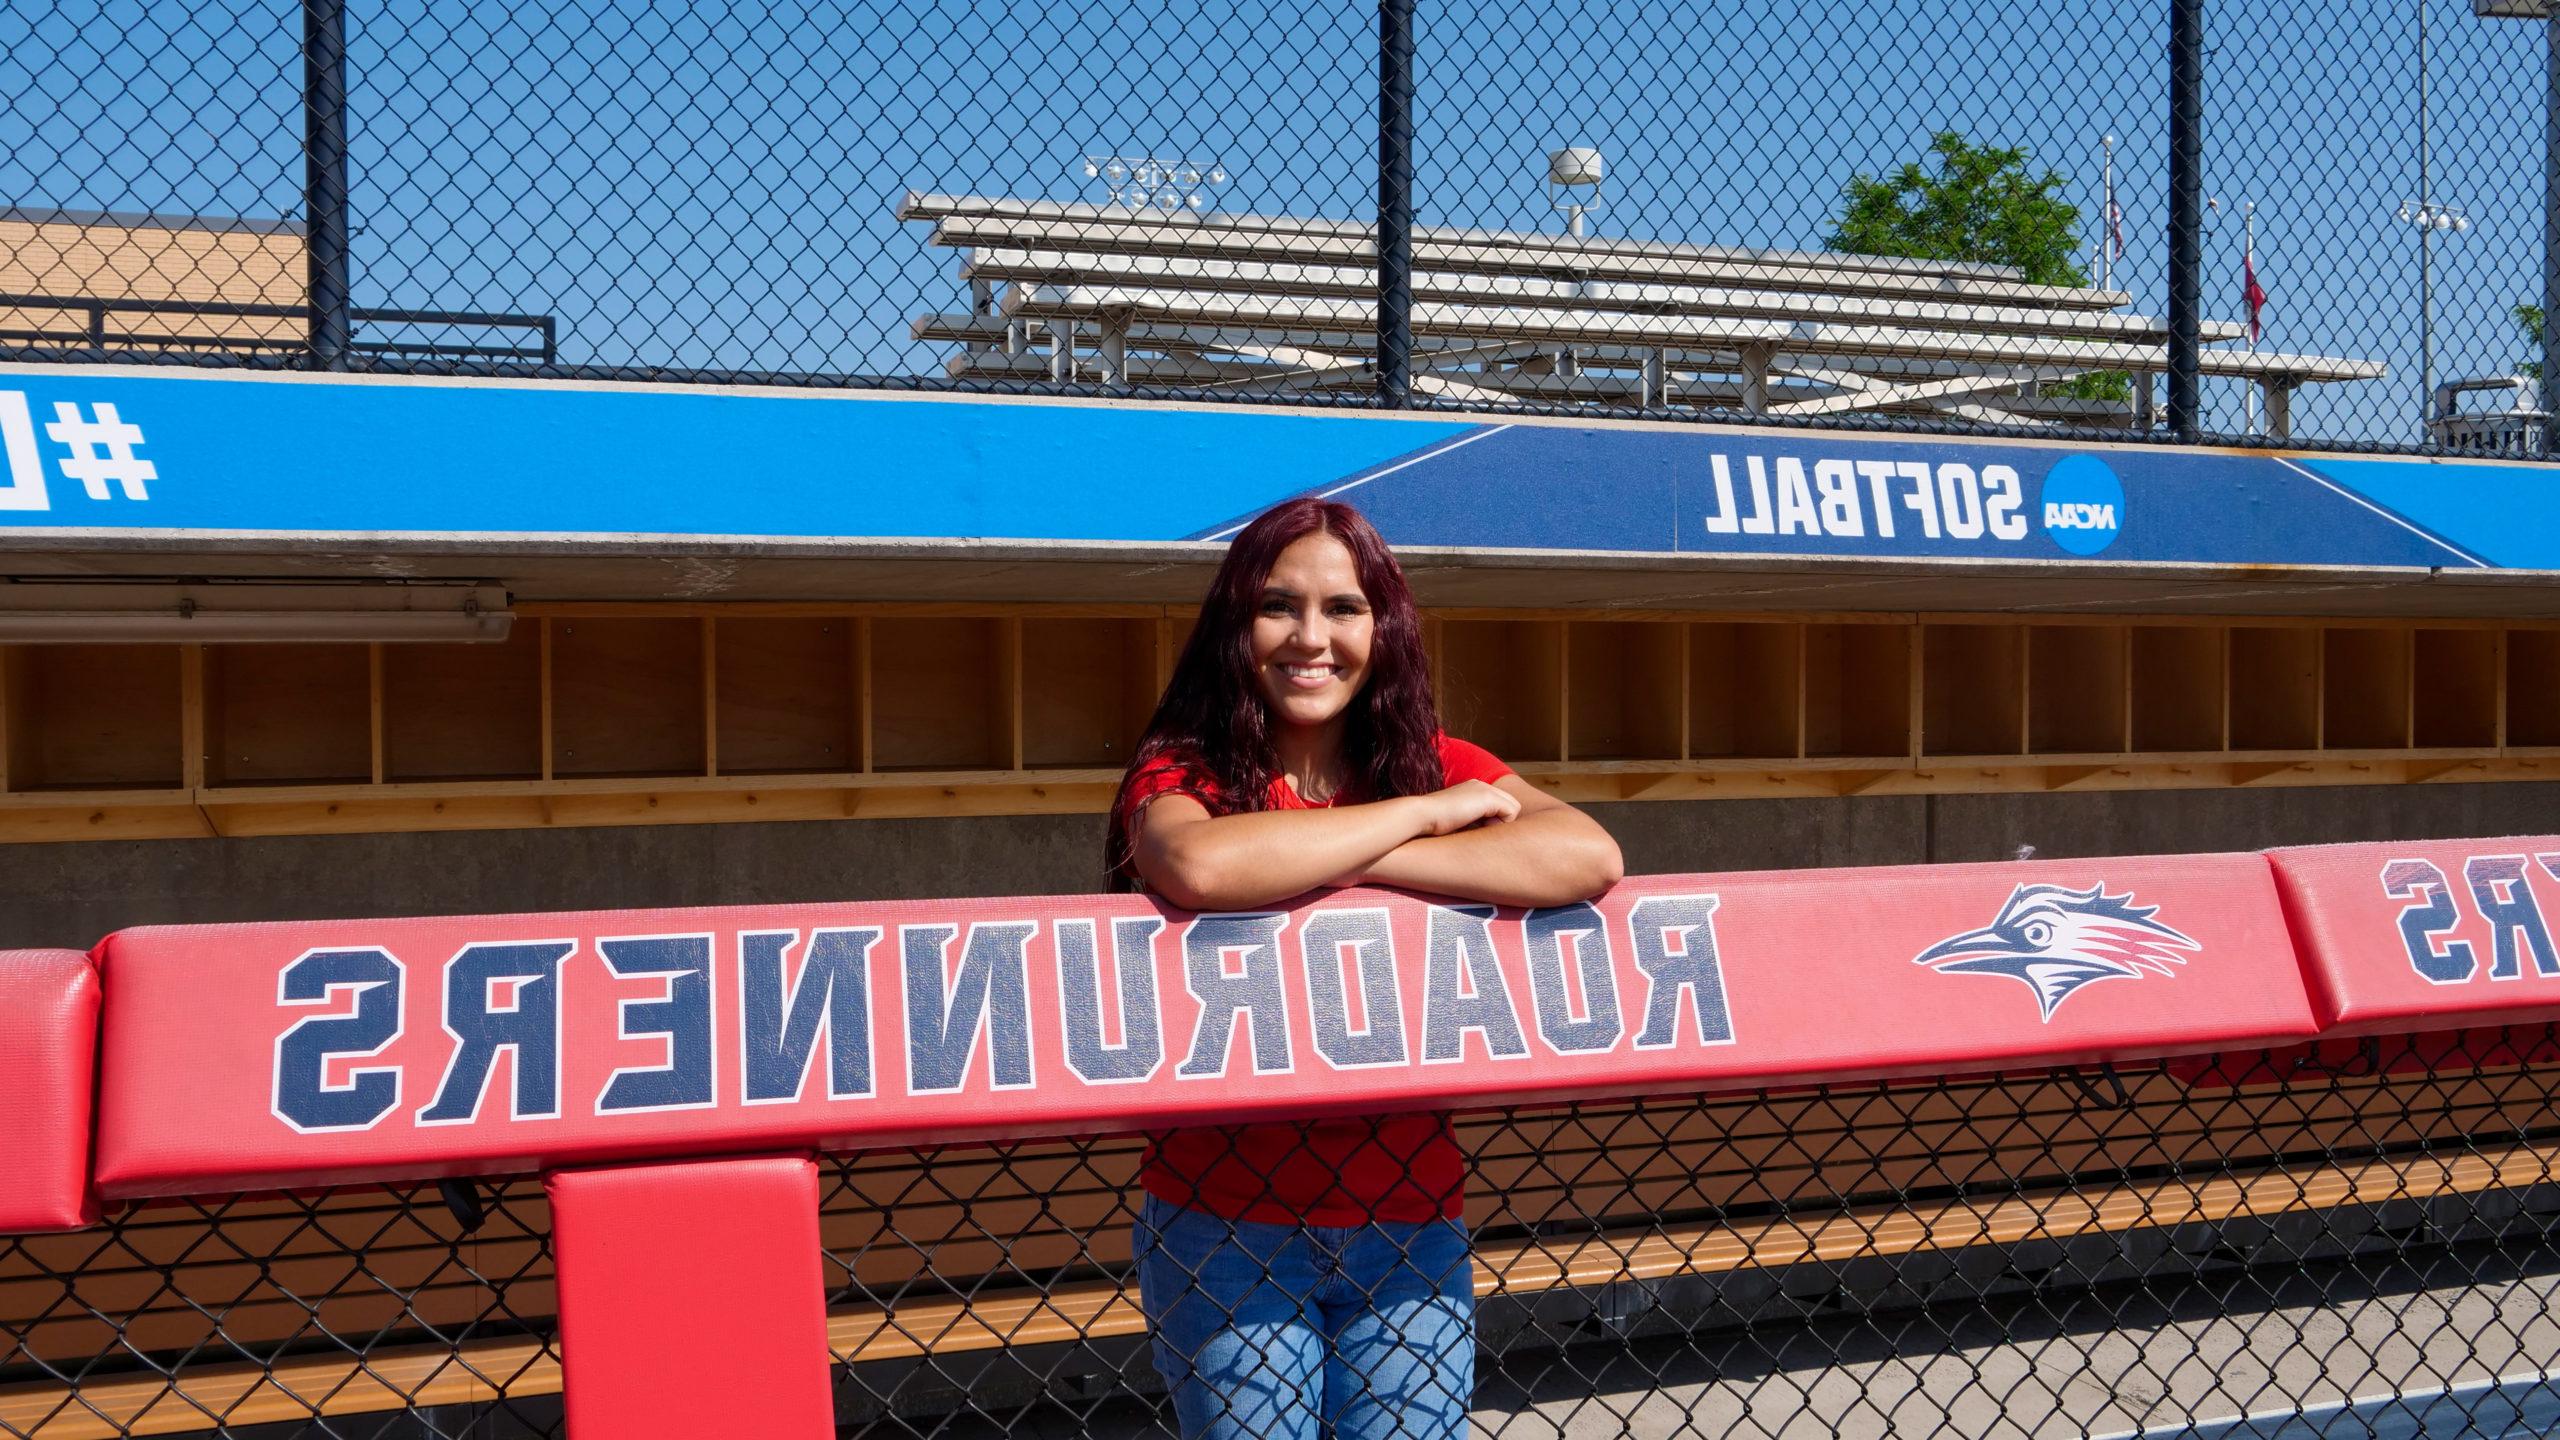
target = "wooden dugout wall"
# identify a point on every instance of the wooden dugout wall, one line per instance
(654, 713)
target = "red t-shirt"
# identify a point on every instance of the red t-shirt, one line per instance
(1403, 1168)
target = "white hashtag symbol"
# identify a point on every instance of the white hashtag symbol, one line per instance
(101, 451)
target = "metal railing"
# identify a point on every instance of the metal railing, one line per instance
(95, 337)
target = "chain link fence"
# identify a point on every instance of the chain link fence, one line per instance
(1915, 214)
(2349, 1239)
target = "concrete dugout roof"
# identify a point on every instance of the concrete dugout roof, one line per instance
(713, 569)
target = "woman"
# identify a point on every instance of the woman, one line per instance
(1312, 1279)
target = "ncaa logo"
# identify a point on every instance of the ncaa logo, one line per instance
(2083, 504)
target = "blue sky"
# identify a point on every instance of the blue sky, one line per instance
(706, 187)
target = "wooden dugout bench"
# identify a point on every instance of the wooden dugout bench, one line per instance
(945, 1248)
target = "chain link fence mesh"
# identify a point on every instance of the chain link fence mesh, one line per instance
(1619, 208)
(2349, 1239)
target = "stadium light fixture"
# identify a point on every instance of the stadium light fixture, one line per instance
(1151, 182)
(90, 613)
(1573, 184)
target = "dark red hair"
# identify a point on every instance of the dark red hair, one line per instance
(1213, 719)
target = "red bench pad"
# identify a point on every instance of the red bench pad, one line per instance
(243, 1056)
(2427, 934)
(691, 1300)
(48, 1051)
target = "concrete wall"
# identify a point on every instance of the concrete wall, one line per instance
(72, 894)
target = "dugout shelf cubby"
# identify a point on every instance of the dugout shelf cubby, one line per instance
(92, 717)
(787, 694)
(1973, 689)
(1502, 684)
(2079, 689)
(645, 713)
(281, 714)
(627, 695)
(1745, 691)
(463, 712)
(2275, 687)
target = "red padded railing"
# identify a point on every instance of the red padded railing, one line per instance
(606, 1049)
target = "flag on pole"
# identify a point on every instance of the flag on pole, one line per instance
(2115, 225)
(2251, 292)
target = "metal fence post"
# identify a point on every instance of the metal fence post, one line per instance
(324, 195)
(2186, 210)
(1395, 202)
(2544, 393)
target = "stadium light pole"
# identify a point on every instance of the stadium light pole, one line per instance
(2549, 15)
(1395, 203)
(324, 180)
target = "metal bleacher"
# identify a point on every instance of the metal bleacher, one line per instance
(1128, 298)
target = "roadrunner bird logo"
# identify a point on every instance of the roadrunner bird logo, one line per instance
(2054, 940)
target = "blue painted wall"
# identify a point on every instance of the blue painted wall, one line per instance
(101, 452)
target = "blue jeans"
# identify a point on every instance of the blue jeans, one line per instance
(1296, 1332)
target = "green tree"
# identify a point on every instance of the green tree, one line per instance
(2529, 320)
(1979, 203)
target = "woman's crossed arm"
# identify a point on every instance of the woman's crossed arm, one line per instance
(1508, 844)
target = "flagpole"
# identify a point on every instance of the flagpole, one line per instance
(2107, 222)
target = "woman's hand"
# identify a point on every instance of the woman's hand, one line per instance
(1240, 862)
(1462, 806)
(1540, 851)
(1548, 853)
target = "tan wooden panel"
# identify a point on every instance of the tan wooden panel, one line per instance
(939, 694)
(1857, 681)
(2365, 702)
(2077, 689)
(1504, 685)
(2178, 687)
(287, 713)
(787, 695)
(1973, 689)
(460, 712)
(1743, 689)
(1624, 689)
(211, 263)
(2456, 685)
(2533, 687)
(92, 716)
(1088, 687)
(626, 696)
(2275, 688)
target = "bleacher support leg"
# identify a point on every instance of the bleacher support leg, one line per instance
(691, 1300)
(1115, 353)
